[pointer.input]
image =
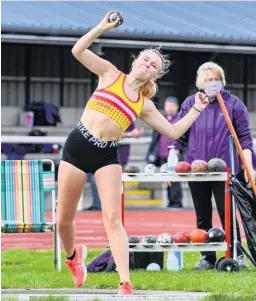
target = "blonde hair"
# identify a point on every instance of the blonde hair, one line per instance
(149, 89)
(201, 74)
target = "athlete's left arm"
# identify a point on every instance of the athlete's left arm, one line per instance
(152, 117)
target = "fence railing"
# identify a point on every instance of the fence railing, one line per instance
(61, 140)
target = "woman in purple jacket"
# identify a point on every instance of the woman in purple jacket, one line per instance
(208, 138)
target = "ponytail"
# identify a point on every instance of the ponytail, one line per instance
(149, 89)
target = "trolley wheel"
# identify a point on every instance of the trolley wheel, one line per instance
(228, 265)
(217, 263)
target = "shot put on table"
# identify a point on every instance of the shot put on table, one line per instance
(198, 240)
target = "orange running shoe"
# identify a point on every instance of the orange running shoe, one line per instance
(125, 289)
(77, 267)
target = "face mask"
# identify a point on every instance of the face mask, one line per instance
(212, 88)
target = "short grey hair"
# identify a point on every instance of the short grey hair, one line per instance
(201, 74)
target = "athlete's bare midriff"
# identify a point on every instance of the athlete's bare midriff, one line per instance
(101, 126)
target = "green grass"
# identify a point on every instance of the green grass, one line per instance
(230, 297)
(34, 269)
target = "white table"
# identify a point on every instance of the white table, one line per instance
(184, 177)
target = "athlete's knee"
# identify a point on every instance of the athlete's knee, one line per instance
(64, 222)
(112, 220)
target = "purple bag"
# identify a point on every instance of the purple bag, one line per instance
(105, 263)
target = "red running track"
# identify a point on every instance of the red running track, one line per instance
(90, 230)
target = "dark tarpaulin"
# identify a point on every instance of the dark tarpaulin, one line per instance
(246, 204)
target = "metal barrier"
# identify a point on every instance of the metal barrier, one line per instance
(62, 139)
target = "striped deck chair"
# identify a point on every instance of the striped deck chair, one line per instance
(23, 187)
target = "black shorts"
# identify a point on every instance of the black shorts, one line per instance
(86, 152)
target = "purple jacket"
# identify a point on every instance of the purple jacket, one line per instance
(208, 137)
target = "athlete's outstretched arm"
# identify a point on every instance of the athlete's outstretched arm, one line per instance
(151, 116)
(89, 59)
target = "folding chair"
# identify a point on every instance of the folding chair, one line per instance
(23, 187)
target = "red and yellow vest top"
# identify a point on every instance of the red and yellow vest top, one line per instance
(113, 102)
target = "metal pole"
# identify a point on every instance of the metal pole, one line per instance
(232, 166)
(227, 214)
(122, 203)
